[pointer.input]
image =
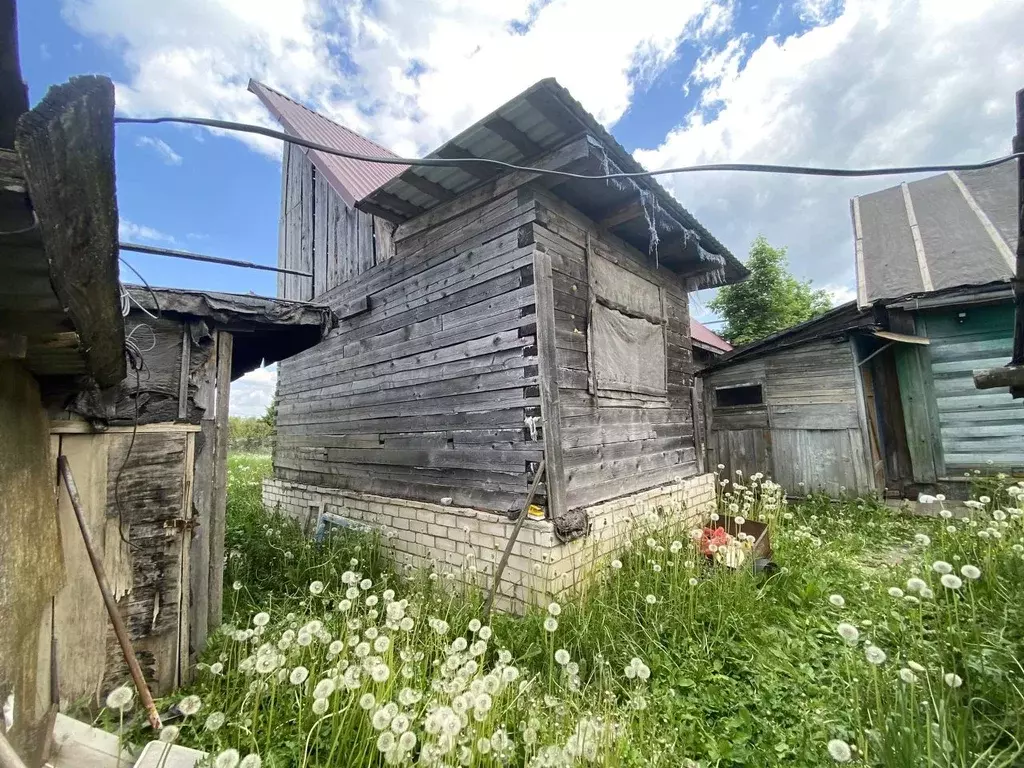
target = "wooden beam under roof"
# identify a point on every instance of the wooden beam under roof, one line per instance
(483, 171)
(396, 203)
(554, 111)
(620, 214)
(428, 187)
(66, 146)
(381, 212)
(508, 132)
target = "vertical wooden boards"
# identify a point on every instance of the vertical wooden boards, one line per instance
(612, 446)
(913, 367)
(550, 403)
(426, 393)
(809, 432)
(866, 469)
(218, 508)
(184, 586)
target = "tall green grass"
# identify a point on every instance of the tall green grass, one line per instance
(663, 659)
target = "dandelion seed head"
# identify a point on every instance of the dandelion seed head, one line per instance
(941, 567)
(562, 656)
(229, 758)
(971, 572)
(874, 655)
(908, 676)
(952, 680)
(837, 600)
(120, 698)
(550, 624)
(261, 619)
(839, 751)
(169, 734)
(251, 761)
(298, 675)
(895, 592)
(650, 599)
(316, 587)
(951, 581)
(215, 721)
(190, 705)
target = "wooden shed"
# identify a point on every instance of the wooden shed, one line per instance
(149, 457)
(878, 395)
(506, 318)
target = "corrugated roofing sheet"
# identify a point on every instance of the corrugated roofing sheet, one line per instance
(352, 179)
(701, 334)
(947, 231)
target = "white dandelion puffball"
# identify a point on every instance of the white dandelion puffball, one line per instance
(251, 761)
(650, 599)
(324, 688)
(984, 499)
(554, 609)
(169, 734)
(874, 655)
(381, 644)
(120, 698)
(229, 758)
(971, 572)
(693, 582)
(550, 623)
(924, 498)
(237, 586)
(915, 584)
(848, 632)
(915, 666)
(319, 706)
(316, 588)
(190, 705)
(927, 594)
(485, 633)
(215, 721)
(951, 581)
(562, 656)
(837, 600)
(908, 676)
(616, 564)
(923, 539)
(945, 514)
(407, 741)
(216, 668)
(895, 592)
(474, 625)
(261, 619)
(941, 567)
(953, 680)
(840, 751)
(298, 676)
(365, 584)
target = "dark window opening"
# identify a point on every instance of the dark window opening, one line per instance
(745, 394)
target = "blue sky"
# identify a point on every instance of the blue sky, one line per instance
(861, 82)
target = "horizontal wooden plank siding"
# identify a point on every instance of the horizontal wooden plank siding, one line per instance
(320, 234)
(976, 426)
(807, 432)
(613, 445)
(427, 392)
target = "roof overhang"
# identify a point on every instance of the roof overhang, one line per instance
(545, 127)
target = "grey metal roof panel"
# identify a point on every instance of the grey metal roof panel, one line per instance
(966, 228)
(352, 179)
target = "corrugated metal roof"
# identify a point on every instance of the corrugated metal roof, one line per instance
(352, 179)
(947, 231)
(701, 334)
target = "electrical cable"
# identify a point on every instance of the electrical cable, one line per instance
(156, 300)
(436, 162)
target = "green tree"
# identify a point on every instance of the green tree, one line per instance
(770, 300)
(270, 417)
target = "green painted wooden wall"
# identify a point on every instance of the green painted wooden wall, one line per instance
(952, 426)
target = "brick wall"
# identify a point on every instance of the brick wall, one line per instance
(466, 544)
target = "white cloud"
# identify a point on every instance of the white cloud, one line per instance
(129, 230)
(840, 294)
(252, 393)
(411, 76)
(162, 148)
(885, 83)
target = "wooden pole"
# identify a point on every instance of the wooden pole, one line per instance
(108, 599)
(512, 540)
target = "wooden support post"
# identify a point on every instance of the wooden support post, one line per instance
(547, 363)
(1017, 388)
(218, 509)
(66, 145)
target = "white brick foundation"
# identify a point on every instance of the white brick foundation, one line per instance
(469, 542)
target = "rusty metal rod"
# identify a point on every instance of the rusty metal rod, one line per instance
(512, 540)
(108, 598)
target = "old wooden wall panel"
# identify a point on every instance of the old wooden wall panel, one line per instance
(320, 234)
(808, 433)
(426, 394)
(975, 426)
(613, 446)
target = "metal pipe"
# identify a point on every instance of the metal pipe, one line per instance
(108, 598)
(512, 540)
(154, 251)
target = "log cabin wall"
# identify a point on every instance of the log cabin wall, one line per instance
(318, 233)
(612, 443)
(424, 390)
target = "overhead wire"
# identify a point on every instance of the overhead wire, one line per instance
(449, 162)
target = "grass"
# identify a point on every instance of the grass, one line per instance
(662, 660)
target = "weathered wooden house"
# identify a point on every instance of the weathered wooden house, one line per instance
(708, 346)
(878, 395)
(509, 318)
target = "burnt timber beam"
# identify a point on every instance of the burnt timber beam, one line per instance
(509, 133)
(428, 187)
(482, 171)
(66, 146)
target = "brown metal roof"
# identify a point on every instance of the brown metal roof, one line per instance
(352, 179)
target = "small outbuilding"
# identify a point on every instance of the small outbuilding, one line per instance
(878, 395)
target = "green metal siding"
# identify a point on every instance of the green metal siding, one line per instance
(976, 426)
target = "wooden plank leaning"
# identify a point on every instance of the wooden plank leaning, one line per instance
(108, 599)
